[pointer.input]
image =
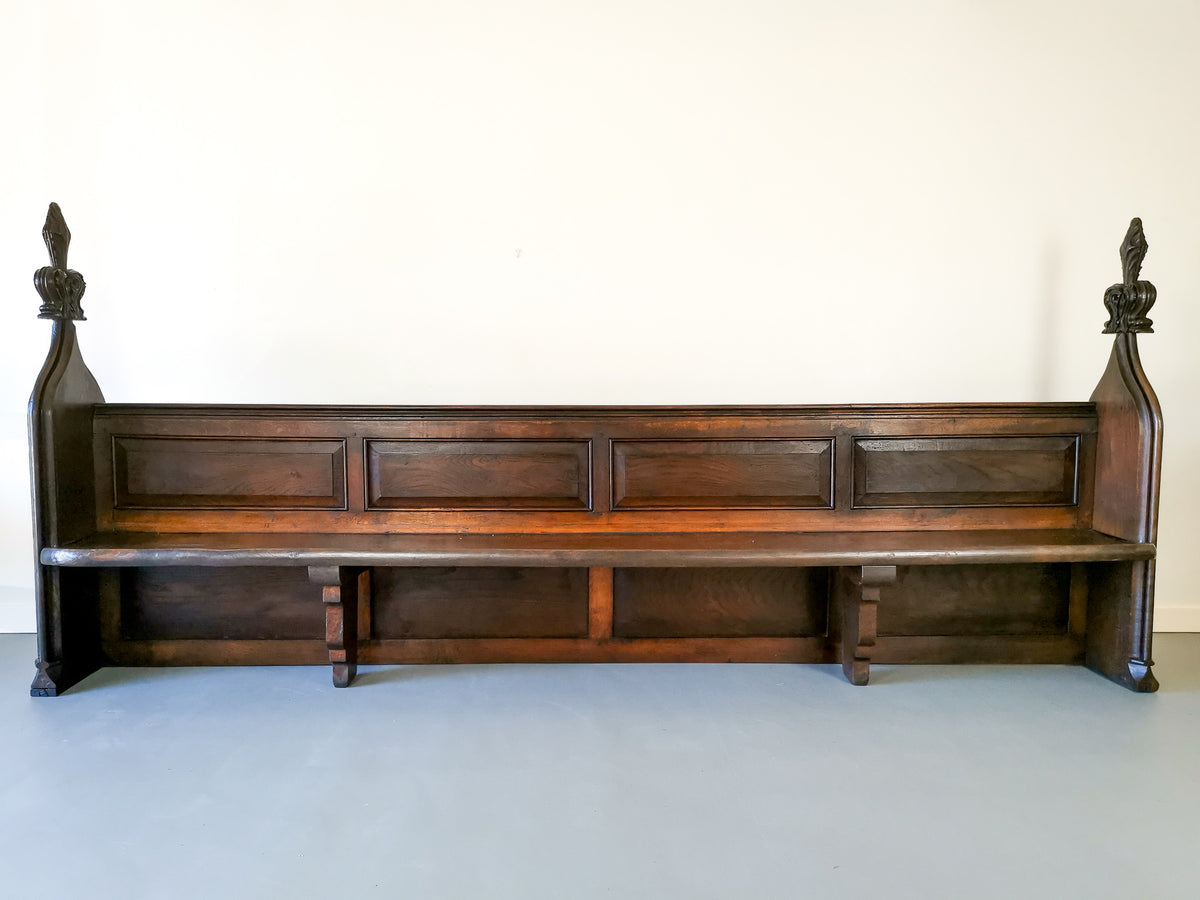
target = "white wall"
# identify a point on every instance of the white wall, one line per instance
(618, 202)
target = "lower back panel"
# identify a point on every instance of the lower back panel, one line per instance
(977, 600)
(720, 602)
(479, 602)
(200, 603)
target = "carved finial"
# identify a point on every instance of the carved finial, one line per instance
(1133, 251)
(57, 236)
(1128, 303)
(61, 289)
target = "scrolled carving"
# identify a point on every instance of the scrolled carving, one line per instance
(60, 288)
(1128, 303)
(1133, 251)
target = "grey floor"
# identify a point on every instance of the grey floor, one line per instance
(671, 781)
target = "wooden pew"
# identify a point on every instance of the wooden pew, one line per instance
(903, 533)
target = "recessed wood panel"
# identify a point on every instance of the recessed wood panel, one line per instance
(750, 508)
(201, 603)
(492, 474)
(965, 471)
(749, 474)
(479, 602)
(205, 473)
(719, 602)
(977, 600)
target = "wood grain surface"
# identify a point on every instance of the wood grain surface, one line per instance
(665, 549)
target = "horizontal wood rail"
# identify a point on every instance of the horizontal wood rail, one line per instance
(686, 549)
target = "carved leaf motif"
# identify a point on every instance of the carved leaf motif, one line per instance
(1133, 251)
(60, 288)
(1127, 303)
(57, 236)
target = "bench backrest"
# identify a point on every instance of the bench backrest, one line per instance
(625, 469)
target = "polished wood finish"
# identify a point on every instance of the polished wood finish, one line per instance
(902, 650)
(338, 587)
(238, 603)
(443, 651)
(172, 535)
(961, 649)
(602, 549)
(753, 474)
(64, 496)
(719, 602)
(494, 474)
(600, 603)
(480, 602)
(860, 617)
(209, 473)
(365, 604)
(694, 469)
(978, 600)
(1128, 472)
(971, 471)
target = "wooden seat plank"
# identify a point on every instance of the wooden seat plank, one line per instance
(679, 549)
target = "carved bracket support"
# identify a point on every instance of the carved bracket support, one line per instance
(339, 591)
(860, 618)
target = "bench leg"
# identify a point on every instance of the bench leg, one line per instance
(1120, 600)
(339, 590)
(68, 629)
(860, 619)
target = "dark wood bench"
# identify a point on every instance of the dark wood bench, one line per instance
(913, 533)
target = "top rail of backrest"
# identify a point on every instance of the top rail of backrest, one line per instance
(371, 469)
(839, 410)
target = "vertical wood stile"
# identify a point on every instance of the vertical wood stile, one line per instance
(364, 605)
(1077, 603)
(600, 603)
